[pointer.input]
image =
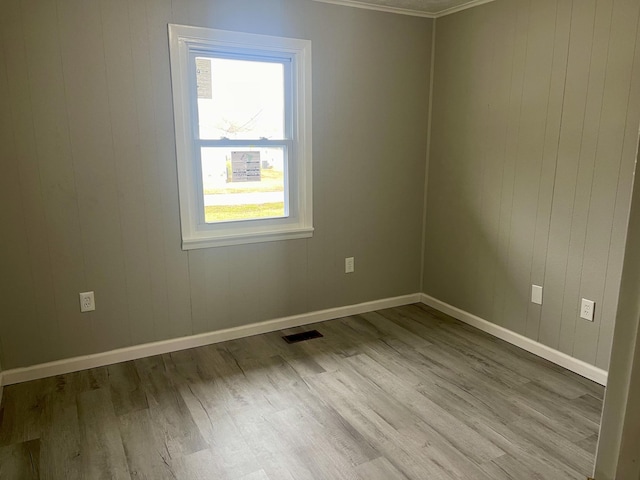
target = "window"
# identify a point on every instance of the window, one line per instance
(242, 107)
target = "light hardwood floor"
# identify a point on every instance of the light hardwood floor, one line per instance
(400, 393)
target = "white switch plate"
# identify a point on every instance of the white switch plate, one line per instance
(87, 302)
(349, 265)
(536, 294)
(587, 308)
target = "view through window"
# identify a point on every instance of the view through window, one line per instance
(242, 100)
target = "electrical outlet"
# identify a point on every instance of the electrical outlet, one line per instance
(536, 294)
(587, 308)
(349, 265)
(87, 302)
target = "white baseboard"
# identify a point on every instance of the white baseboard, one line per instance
(570, 363)
(17, 375)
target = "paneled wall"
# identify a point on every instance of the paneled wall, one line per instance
(536, 109)
(88, 187)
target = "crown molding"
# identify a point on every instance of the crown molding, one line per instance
(405, 11)
(380, 8)
(459, 8)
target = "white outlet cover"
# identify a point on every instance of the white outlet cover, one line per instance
(87, 302)
(349, 265)
(536, 294)
(587, 308)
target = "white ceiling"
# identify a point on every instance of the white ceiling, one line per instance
(420, 8)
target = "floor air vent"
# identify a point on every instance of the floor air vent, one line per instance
(301, 337)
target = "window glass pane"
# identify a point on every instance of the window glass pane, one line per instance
(243, 183)
(240, 99)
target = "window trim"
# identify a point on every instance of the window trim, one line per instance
(183, 41)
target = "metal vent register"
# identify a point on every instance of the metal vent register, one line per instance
(301, 337)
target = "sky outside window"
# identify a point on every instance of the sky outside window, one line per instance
(240, 99)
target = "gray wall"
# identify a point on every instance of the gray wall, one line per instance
(88, 190)
(536, 110)
(535, 117)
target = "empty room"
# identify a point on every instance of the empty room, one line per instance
(319, 239)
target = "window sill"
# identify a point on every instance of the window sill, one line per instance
(208, 241)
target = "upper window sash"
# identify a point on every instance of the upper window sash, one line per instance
(288, 62)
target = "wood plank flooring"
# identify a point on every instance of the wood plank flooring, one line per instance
(402, 393)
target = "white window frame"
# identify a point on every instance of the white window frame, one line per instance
(183, 42)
